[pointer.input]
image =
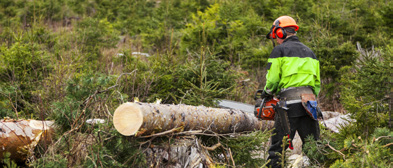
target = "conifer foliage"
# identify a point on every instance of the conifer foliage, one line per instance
(73, 60)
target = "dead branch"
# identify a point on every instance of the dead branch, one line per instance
(224, 153)
(212, 148)
(163, 133)
(230, 154)
(336, 151)
(388, 144)
(388, 137)
(118, 79)
(189, 132)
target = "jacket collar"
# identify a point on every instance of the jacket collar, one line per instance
(292, 38)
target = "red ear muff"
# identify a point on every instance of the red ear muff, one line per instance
(279, 31)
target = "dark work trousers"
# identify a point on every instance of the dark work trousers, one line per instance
(300, 122)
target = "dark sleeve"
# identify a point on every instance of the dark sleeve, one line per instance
(276, 52)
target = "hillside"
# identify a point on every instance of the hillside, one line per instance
(73, 60)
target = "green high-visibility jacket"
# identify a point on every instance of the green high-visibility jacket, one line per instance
(292, 64)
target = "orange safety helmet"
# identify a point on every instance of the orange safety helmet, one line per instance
(277, 28)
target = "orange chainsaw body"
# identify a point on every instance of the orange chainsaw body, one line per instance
(267, 112)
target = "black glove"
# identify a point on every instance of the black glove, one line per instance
(266, 95)
(262, 94)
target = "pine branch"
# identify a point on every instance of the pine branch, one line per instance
(336, 150)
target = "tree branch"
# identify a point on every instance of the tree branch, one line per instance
(388, 144)
(212, 148)
(336, 151)
(389, 137)
(164, 133)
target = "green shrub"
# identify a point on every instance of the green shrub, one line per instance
(247, 150)
(94, 35)
(363, 143)
(365, 87)
(56, 161)
(115, 151)
(352, 150)
(55, 54)
(227, 31)
(23, 65)
(77, 105)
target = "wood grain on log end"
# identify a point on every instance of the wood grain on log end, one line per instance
(128, 118)
(20, 137)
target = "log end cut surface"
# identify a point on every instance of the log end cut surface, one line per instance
(128, 118)
(20, 137)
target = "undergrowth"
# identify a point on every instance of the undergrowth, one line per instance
(70, 61)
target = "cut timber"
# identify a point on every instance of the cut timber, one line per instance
(146, 118)
(19, 137)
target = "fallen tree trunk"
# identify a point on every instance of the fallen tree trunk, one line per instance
(19, 137)
(146, 118)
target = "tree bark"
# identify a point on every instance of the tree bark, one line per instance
(19, 137)
(146, 118)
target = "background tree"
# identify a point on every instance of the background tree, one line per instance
(76, 59)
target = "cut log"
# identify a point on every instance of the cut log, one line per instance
(146, 118)
(19, 137)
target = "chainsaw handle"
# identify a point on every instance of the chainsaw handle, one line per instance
(258, 94)
(258, 107)
(261, 107)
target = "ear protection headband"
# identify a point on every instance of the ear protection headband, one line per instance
(276, 30)
(279, 31)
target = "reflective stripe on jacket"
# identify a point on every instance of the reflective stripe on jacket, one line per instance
(292, 64)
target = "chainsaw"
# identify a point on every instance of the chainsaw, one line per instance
(264, 108)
